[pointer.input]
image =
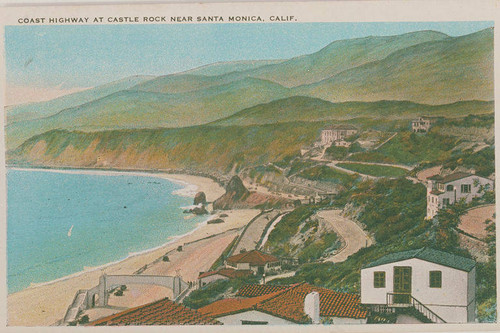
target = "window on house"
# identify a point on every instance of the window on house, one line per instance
(465, 188)
(449, 188)
(446, 202)
(379, 279)
(435, 279)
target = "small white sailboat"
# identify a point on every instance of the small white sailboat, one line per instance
(69, 232)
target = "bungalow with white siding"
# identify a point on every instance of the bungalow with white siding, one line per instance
(443, 191)
(437, 284)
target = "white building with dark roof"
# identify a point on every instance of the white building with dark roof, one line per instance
(445, 191)
(438, 285)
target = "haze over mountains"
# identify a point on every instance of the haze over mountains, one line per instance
(412, 70)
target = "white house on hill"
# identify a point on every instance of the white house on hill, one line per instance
(336, 133)
(421, 124)
(439, 285)
(445, 191)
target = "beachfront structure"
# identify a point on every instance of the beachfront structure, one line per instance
(254, 260)
(421, 125)
(285, 305)
(162, 312)
(438, 285)
(222, 274)
(443, 191)
(332, 134)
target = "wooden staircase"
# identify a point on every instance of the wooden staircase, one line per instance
(407, 301)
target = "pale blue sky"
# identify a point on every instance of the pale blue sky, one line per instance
(85, 56)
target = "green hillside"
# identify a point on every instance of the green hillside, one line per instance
(221, 68)
(141, 109)
(44, 109)
(340, 56)
(202, 148)
(300, 108)
(438, 72)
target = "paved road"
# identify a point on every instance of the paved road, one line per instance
(279, 276)
(254, 231)
(355, 238)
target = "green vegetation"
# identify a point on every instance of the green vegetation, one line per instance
(374, 170)
(336, 153)
(416, 74)
(216, 290)
(394, 210)
(314, 249)
(410, 148)
(326, 174)
(287, 228)
(483, 161)
(302, 108)
(299, 222)
(220, 261)
(204, 148)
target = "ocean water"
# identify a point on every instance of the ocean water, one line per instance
(110, 217)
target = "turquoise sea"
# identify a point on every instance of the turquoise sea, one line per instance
(110, 217)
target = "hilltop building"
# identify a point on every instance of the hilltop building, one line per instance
(162, 312)
(285, 305)
(222, 274)
(254, 260)
(421, 125)
(443, 191)
(438, 286)
(332, 134)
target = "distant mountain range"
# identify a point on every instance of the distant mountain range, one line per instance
(396, 76)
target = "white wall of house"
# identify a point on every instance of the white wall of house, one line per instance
(253, 315)
(452, 192)
(451, 301)
(242, 265)
(343, 321)
(209, 279)
(328, 136)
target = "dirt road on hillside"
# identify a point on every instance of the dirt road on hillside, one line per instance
(355, 238)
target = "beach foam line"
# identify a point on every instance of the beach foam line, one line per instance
(171, 239)
(189, 189)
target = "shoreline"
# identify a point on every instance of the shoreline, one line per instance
(189, 191)
(49, 300)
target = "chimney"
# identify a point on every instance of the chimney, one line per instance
(311, 306)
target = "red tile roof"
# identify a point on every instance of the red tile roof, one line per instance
(288, 303)
(436, 192)
(162, 312)
(253, 257)
(233, 305)
(228, 272)
(253, 290)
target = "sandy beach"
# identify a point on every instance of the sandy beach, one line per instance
(46, 304)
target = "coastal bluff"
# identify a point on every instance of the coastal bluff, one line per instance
(237, 196)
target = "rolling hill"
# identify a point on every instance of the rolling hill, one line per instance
(45, 109)
(340, 56)
(424, 72)
(226, 67)
(142, 109)
(301, 108)
(438, 72)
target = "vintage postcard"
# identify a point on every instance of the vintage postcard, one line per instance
(328, 163)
